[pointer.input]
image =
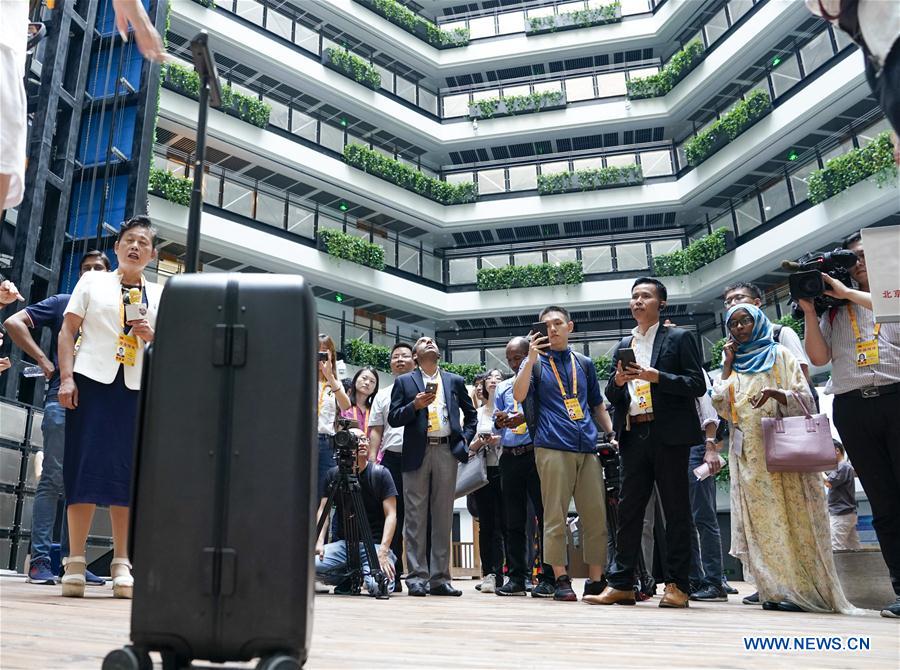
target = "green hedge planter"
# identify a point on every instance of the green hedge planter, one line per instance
(414, 24)
(585, 18)
(517, 104)
(187, 82)
(467, 371)
(590, 180)
(602, 364)
(694, 256)
(351, 248)
(361, 354)
(170, 186)
(524, 276)
(840, 173)
(678, 67)
(407, 177)
(744, 114)
(352, 66)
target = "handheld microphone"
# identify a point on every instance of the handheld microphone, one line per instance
(134, 296)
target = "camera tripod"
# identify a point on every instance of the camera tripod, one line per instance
(355, 526)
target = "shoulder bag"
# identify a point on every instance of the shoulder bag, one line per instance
(472, 475)
(798, 443)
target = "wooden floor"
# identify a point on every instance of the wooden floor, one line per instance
(41, 630)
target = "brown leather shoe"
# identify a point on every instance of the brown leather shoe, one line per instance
(610, 596)
(674, 597)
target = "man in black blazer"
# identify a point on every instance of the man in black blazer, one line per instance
(656, 425)
(427, 402)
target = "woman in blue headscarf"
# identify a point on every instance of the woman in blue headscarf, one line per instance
(779, 521)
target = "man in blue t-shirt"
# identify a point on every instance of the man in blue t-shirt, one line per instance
(569, 407)
(49, 313)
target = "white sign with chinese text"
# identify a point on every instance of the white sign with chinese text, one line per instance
(882, 247)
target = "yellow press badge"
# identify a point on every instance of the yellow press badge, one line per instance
(522, 428)
(573, 407)
(643, 397)
(126, 350)
(867, 353)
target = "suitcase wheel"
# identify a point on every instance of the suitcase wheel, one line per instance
(128, 658)
(278, 662)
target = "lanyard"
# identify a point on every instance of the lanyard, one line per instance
(321, 397)
(852, 314)
(365, 419)
(562, 389)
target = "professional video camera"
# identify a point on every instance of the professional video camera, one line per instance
(807, 282)
(609, 460)
(345, 445)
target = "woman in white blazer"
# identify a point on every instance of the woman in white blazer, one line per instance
(113, 315)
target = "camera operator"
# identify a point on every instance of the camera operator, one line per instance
(865, 380)
(379, 496)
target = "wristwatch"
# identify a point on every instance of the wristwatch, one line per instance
(711, 440)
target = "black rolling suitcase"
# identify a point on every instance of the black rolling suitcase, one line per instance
(224, 487)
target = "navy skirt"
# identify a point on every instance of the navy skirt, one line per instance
(100, 442)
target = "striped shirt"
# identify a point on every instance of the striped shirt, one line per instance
(838, 334)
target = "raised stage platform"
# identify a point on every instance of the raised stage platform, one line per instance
(41, 630)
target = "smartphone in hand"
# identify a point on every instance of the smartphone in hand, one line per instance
(626, 357)
(323, 356)
(539, 328)
(431, 387)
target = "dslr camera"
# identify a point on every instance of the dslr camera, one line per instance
(609, 461)
(345, 445)
(806, 280)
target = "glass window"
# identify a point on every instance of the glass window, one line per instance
(555, 166)
(387, 77)
(455, 105)
(495, 261)
(211, 184)
(491, 181)
(601, 348)
(279, 24)
(406, 89)
(306, 38)
(799, 181)
(655, 163)
(432, 268)
(270, 209)
(408, 258)
(722, 221)
(238, 199)
(226, 4)
(450, 26)
(620, 160)
(785, 75)
(482, 27)
(511, 22)
(660, 247)
(747, 215)
(737, 8)
(326, 221)
(561, 255)
(642, 72)
(631, 256)
(465, 356)
(545, 86)
(463, 270)
(630, 7)
(716, 27)
(529, 258)
(303, 125)
(331, 44)
(868, 134)
(250, 10)
(816, 52)
(428, 101)
(332, 137)
(580, 88)
(540, 11)
(458, 177)
(485, 94)
(842, 39)
(522, 178)
(839, 150)
(523, 89)
(566, 7)
(496, 359)
(611, 84)
(280, 113)
(587, 163)
(775, 199)
(300, 220)
(596, 259)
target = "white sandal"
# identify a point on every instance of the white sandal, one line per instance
(73, 579)
(123, 582)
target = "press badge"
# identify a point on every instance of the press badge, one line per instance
(866, 353)
(434, 421)
(126, 350)
(643, 397)
(520, 429)
(573, 407)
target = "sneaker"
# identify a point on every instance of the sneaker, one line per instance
(512, 588)
(751, 599)
(39, 572)
(728, 588)
(564, 591)
(92, 579)
(892, 611)
(592, 588)
(488, 584)
(544, 589)
(343, 589)
(710, 594)
(321, 587)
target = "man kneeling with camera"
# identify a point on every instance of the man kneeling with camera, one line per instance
(379, 496)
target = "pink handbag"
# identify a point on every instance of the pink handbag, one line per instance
(798, 443)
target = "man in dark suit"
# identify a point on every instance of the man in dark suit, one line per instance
(656, 424)
(427, 402)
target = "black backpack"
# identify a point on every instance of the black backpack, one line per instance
(532, 405)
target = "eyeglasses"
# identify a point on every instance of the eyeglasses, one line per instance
(743, 321)
(737, 298)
